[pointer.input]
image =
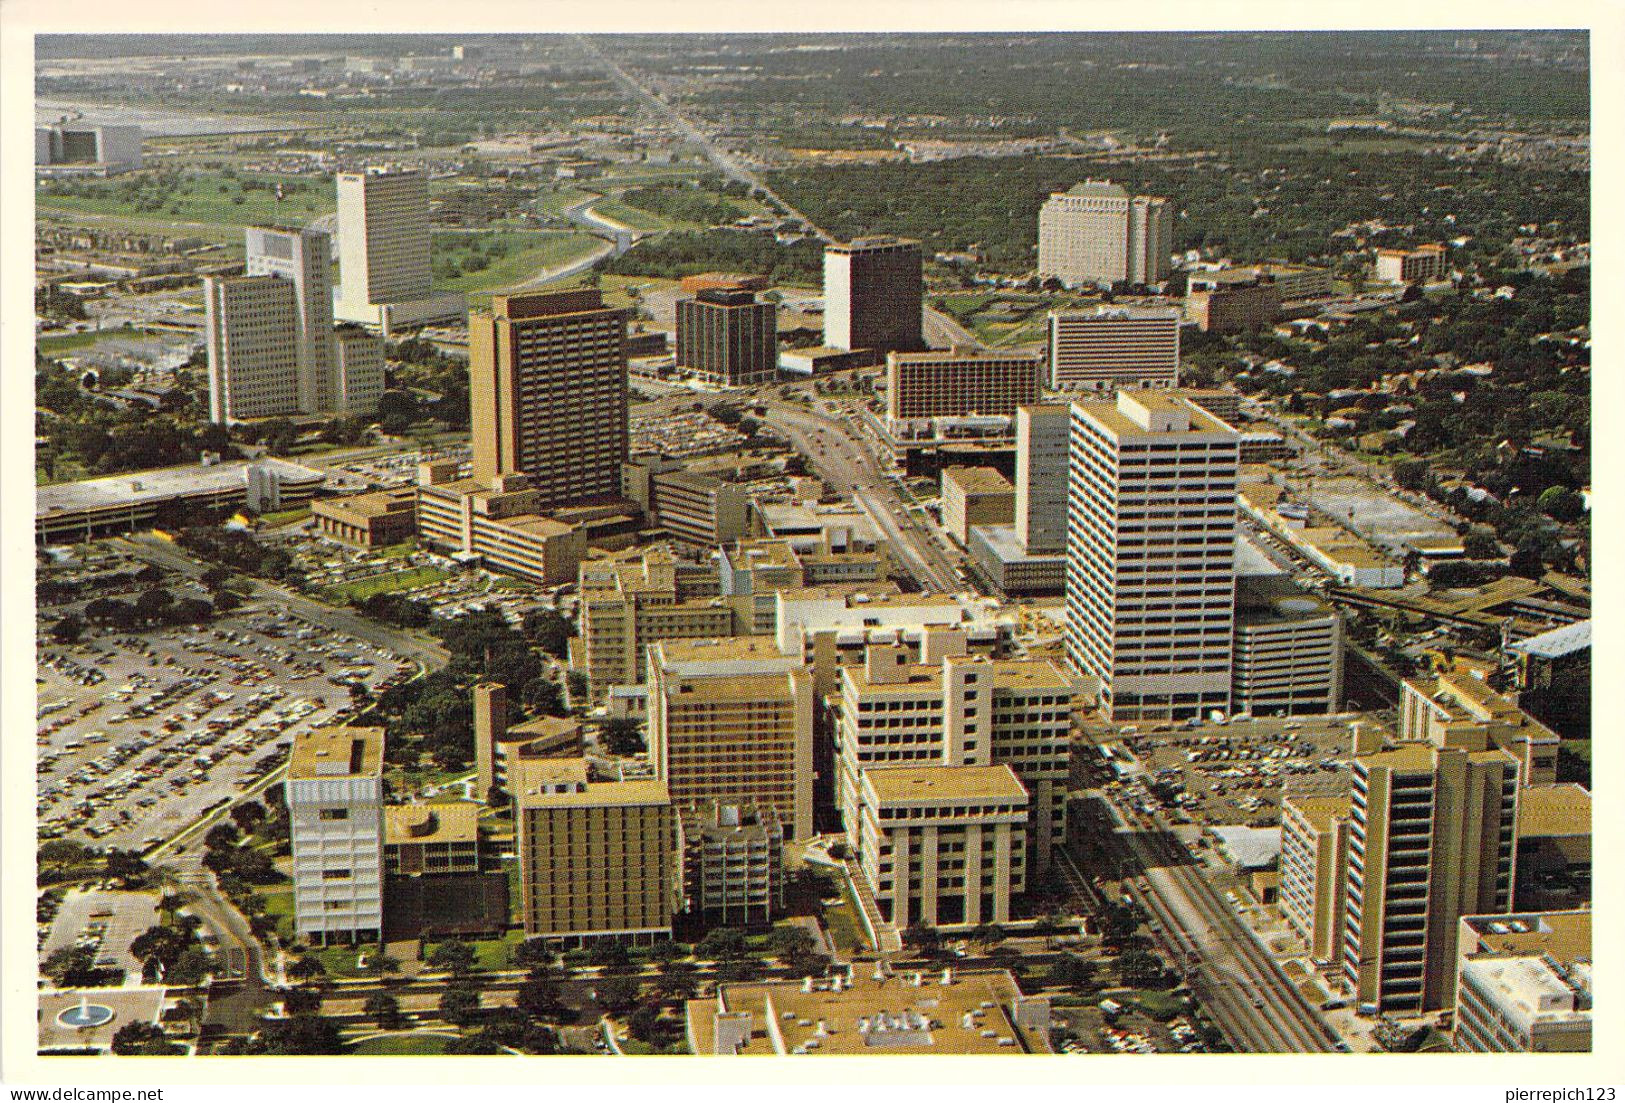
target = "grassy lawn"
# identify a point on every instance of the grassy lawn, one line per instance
(647, 222)
(402, 1045)
(67, 342)
(390, 583)
(497, 953)
(204, 197)
(531, 252)
(396, 551)
(553, 202)
(339, 961)
(1159, 1005)
(286, 516)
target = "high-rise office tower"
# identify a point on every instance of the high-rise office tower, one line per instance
(383, 230)
(547, 393)
(1043, 437)
(726, 336)
(873, 295)
(1096, 233)
(1113, 347)
(960, 383)
(1150, 572)
(335, 795)
(269, 332)
(359, 370)
(1432, 837)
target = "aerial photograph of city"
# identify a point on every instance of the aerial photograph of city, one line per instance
(796, 544)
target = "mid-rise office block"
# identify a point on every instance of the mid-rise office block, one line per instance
(1096, 233)
(1314, 870)
(335, 795)
(547, 394)
(498, 523)
(732, 863)
(975, 496)
(874, 295)
(1432, 834)
(1423, 264)
(372, 520)
(960, 710)
(960, 383)
(632, 601)
(725, 336)
(1111, 347)
(359, 372)
(731, 720)
(595, 857)
(431, 839)
(942, 845)
(1523, 983)
(1043, 439)
(1288, 652)
(1150, 577)
(1554, 848)
(751, 574)
(1233, 307)
(694, 507)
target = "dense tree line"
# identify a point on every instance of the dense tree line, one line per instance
(687, 254)
(683, 204)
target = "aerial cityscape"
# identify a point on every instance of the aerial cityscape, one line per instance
(813, 544)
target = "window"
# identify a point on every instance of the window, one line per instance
(335, 875)
(335, 813)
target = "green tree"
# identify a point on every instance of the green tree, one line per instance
(617, 993)
(453, 956)
(623, 736)
(460, 1003)
(385, 1010)
(68, 629)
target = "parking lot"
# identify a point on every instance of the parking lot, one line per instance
(1230, 774)
(106, 922)
(140, 734)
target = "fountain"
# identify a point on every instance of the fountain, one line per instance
(85, 1015)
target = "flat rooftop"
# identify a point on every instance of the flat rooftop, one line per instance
(1566, 935)
(969, 1014)
(1123, 427)
(935, 784)
(421, 824)
(1529, 988)
(337, 752)
(531, 773)
(1554, 810)
(161, 484)
(726, 656)
(1558, 642)
(758, 688)
(1275, 599)
(543, 727)
(1320, 811)
(978, 480)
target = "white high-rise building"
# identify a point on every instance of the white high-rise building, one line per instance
(1150, 572)
(335, 794)
(269, 332)
(385, 278)
(1096, 233)
(305, 259)
(1111, 347)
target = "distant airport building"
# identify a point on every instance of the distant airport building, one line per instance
(91, 149)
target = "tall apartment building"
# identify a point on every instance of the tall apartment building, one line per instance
(1096, 233)
(961, 710)
(1111, 347)
(595, 857)
(269, 332)
(1432, 832)
(725, 336)
(1423, 264)
(960, 383)
(731, 720)
(547, 394)
(1150, 575)
(1314, 870)
(385, 278)
(335, 795)
(874, 295)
